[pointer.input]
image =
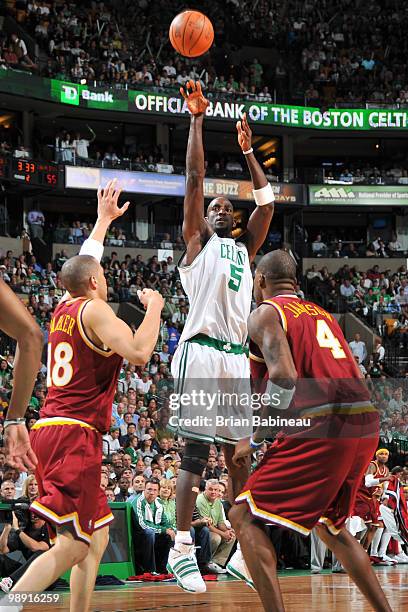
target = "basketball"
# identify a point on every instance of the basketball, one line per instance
(191, 33)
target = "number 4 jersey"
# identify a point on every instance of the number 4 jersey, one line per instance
(81, 377)
(218, 285)
(328, 377)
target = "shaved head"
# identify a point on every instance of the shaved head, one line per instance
(278, 266)
(220, 200)
(77, 272)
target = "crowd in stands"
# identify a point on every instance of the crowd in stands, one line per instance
(367, 174)
(327, 52)
(332, 246)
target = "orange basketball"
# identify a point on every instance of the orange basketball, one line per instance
(191, 33)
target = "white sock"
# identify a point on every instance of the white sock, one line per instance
(183, 537)
(238, 546)
(376, 541)
(384, 544)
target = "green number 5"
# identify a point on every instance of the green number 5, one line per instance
(236, 277)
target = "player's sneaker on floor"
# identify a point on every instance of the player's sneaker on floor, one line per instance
(237, 567)
(316, 571)
(389, 560)
(378, 561)
(182, 563)
(216, 568)
(400, 558)
(6, 585)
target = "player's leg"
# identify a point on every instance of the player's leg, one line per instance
(84, 574)
(182, 561)
(47, 568)
(355, 560)
(260, 556)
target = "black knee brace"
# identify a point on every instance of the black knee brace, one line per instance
(195, 457)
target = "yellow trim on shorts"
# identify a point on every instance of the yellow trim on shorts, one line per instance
(268, 516)
(256, 358)
(60, 520)
(61, 421)
(329, 525)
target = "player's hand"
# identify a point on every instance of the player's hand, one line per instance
(244, 133)
(108, 208)
(148, 297)
(19, 453)
(242, 451)
(195, 99)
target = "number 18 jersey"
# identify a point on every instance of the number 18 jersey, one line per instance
(81, 377)
(218, 285)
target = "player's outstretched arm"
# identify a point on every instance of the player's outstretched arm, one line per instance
(195, 228)
(101, 321)
(16, 322)
(260, 220)
(108, 211)
(264, 328)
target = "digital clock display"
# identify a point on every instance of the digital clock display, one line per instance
(35, 173)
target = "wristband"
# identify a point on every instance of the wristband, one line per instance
(248, 152)
(93, 248)
(280, 398)
(254, 444)
(19, 421)
(264, 195)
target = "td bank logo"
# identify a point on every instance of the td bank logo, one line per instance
(338, 193)
(71, 94)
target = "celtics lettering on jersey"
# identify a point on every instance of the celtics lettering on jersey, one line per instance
(218, 285)
(238, 257)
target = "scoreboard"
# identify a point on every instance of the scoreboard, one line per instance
(42, 174)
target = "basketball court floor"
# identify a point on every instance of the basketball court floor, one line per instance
(324, 592)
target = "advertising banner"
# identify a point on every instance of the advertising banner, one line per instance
(357, 195)
(162, 102)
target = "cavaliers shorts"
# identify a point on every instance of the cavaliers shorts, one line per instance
(69, 454)
(304, 481)
(367, 509)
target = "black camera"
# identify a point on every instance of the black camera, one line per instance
(21, 510)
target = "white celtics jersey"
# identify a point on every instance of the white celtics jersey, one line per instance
(218, 285)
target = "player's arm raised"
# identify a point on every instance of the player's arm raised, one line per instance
(260, 220)
(108, 211)
(100, 319)
(265, 329)
(16, 322)
(196, 231)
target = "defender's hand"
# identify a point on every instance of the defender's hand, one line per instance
(108, 208)
(195, 99)
(242, 451)
(244, 134)
(19, 453)
(149, 297)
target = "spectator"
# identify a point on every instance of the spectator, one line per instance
(222, 537)
(358, 348)
(36, 222)
(153, 532)
(123, 485)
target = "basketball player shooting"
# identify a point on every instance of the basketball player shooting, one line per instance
(216, 276)
(85, 352)
(301, 484)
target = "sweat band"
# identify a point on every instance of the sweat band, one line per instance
(264, 195)
(370, 481)
(280, 398)
(92, 247)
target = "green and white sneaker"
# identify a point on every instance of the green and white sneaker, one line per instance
(237, 567)
(182, 563)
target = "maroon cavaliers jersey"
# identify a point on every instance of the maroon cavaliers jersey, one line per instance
(81, 377)
(328, 377)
